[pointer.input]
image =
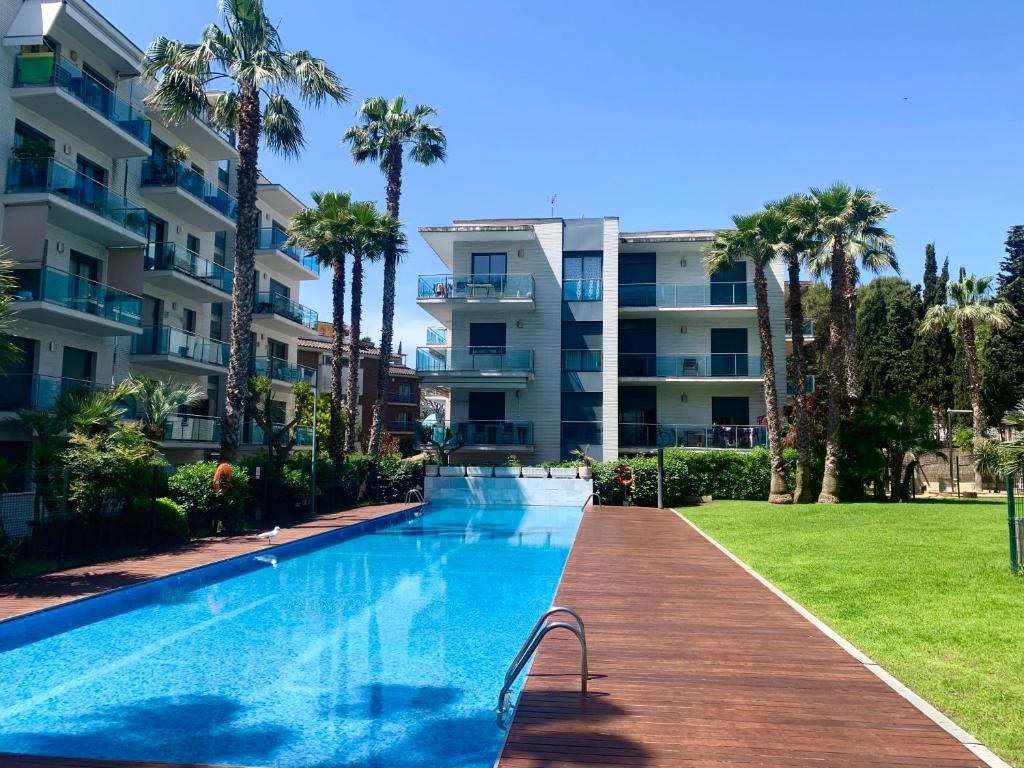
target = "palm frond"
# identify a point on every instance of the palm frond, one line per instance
(282, 126)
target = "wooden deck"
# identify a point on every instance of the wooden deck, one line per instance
(696, 663)
(63, 586)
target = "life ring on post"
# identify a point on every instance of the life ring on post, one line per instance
(624, 475)
(222, 479)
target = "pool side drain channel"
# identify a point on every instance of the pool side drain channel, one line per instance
(533, 640)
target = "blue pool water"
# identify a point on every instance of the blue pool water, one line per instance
(383, 647)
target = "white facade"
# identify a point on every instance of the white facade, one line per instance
(147, 238)
(631, 345)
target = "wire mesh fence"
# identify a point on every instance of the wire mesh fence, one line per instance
(1015, 519)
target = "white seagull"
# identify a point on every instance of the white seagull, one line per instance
(269, 536)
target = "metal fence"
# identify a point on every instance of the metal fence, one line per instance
(1015, 519)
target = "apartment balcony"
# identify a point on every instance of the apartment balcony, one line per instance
(207, 139)
(650, 298)
(649, 437)
(401, 427)
(441, 294)
(76, 202)
(403, 398)
(187, 194)
(283, 316)
(280, 371)
(437, 336)
(289, 260)
(187, 431)
(475, 367)
(57, 90)
(713, 367)
(187, 274)
(582, 360)
(177, 351)
(33, 392)
(55, 298)
(499, 436)
(253, 436)
(791, 386)
(590, 289)
(808, 330)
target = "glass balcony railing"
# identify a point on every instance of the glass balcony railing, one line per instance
(47, 175)
(165, 173)
(686, 295)
(791, 386)
(33, 392)
(167, 257)
(437, 335)
(275, 239)
(253, 435)
(38, 70)
(692, 436)
(225, 134)
(276, 304)
(303, 435)
(808, 329)
(192, 429)
(690, 366)
(403, 398)
(401, 426)
(467, 359)
(281, 370)
(179, 343)
(582, 290)
(581, 360)
(55, 286)
(475, 287)
(471, 433)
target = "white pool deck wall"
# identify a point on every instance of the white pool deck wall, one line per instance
(526, 491)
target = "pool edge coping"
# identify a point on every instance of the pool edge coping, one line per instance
(968, 740)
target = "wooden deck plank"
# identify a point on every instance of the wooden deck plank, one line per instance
(696, 663)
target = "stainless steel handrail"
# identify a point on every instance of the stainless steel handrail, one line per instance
(594, 495)
(414, 494)
(533, 640)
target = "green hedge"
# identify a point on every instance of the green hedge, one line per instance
(721, 474)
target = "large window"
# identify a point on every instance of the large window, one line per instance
(729, 352)
(490, 269)
(729, 285)
(487, 338)
(637, 280)
(581, 276)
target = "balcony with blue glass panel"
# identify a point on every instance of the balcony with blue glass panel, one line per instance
(75, 202)
(34, 392)
(56, 298)
(189, 431)
(282, 316)
(186, 193)
(437, 336)
(290, 261)
(650, 298)
(253, 436)
(485, 293)
(499, 436)
(57, 90)
(177, 351)
(479, 367)
(712, 367)
(646, 438)
(181, 271)
(281, 371)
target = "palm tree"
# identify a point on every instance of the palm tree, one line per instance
(9, 353)
(795, 244)
(93, 412)
(385, 129)
(158, 400)
(756, 238)
(372, 235)
(969, 306)
(325, 230)
(845, 224)
(245, 62)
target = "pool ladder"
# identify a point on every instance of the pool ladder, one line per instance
(414, 494)
(538, 633)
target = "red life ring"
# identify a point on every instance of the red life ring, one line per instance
(222, 479)
(624, 475)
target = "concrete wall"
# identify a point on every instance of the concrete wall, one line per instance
(499, 490)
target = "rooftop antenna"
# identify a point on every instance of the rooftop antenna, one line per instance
(554, 202)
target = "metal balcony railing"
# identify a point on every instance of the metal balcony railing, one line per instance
(275, 239)
(450, 287)
(715, 365)
(282, 306)
(686, 294)
(692, 436)
(179, 343)
(55, 286)
(465, 359)
(475, 433)
(167, 173)
(808, 329)
(167, 257)
(281, 370)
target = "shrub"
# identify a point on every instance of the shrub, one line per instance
(9, 553)
(169, 522)
(117, 467)
(192, 487)
(392, 479)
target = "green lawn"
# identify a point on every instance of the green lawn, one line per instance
(923, 588)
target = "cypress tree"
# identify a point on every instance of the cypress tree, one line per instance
(931, 276)
(1002, 359)
(934, 354)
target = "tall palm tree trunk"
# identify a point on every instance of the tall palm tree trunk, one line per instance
(336, 449)
(851, 357)
(836, 366)
(970, 340)
(394, 194)
(778, 493)
(802, 492)
(353, 352)
(244, 269)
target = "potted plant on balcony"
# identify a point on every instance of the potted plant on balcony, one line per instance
(586, 466)
(511, 468)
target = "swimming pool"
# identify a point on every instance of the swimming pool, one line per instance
(378, 645)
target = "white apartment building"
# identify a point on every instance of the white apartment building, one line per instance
(557, 334)
(121, 226)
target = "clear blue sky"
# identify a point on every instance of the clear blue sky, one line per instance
(666, 114)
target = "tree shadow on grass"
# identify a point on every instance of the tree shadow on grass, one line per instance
(192, 729)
